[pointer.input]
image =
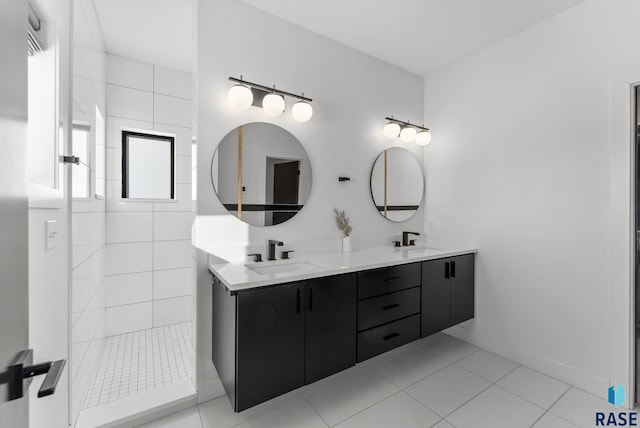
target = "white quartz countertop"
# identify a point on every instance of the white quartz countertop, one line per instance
(248, 275)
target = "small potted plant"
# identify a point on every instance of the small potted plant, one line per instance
(343, 224)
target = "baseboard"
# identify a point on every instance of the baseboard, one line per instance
(586, 381)
(209, 390)
(140, 408)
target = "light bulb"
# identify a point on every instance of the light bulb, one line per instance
(407, 134)
(302, 111)
(240, 97)
(423, 138)
(391, 130)
(273, 104)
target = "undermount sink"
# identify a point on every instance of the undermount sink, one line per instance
(280, 266)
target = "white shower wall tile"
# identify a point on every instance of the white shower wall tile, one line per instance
(183, 169)
(172, 283)
(129, 258)
(128, 318)
(129, 288)
(130, 73)
(130, 103)
(168, 226)
(171, 82)
(172, 254)
(171, 110)
(129, 227)
(171, 311)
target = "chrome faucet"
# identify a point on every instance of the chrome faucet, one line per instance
(271, 253)
(405, 238)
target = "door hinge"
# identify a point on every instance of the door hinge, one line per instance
(70, 159)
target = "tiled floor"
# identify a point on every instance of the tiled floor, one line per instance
(436, 382)
(139, 361)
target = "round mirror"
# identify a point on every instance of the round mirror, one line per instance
(261, 174)
(397, 184)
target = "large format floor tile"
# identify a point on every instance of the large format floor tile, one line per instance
(448, 389)
(217, 413)
(549, 420)
(448, 347)
(349, 395)
(579, 407)
(410, 368)
(487, 365)
(294, 414)
(399, 410)
(495, 408)
(533, 386)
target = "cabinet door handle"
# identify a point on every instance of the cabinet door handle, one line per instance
(298, 300)
(386, 308)
(310, 301)
(453, 269)
(393, 278)
(391, 336)
(446, 270)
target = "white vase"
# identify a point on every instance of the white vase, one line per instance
(346, 244)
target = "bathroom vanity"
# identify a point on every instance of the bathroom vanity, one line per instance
(280, 325)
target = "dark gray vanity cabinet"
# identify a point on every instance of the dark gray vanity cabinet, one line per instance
(270, 343)
(388, 308)
(447, 293)
(330, 326)
(271, 340)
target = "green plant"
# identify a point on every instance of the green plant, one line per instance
(343, 222)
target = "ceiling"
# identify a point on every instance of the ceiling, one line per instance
(417, 35)
(155, 31)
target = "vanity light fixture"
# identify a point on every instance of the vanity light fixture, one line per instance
(408, 134)
(407, 131)
(270, 99)
(240, 96)
(273, 104)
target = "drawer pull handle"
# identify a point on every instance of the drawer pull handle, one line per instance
(386, 308)
(393, 278)
(391, 336)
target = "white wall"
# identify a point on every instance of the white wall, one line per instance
(149, 255)
(88, 215)
(352, 94)
(522, 164)
(49, 269)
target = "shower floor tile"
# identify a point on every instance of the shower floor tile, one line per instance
(136, 362)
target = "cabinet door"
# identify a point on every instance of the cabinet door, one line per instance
(435, 296)
(330, 326)
(270, 343)
(462, 288)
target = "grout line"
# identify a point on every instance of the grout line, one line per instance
(553, 404)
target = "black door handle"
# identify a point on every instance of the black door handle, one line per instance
(22, 368)
(453, 269)
(446, 270)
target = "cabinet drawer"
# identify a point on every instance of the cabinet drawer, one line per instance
(386, 337)
(387, 280)
(389, 307)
